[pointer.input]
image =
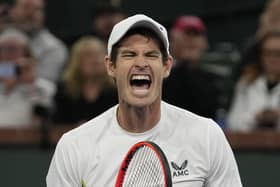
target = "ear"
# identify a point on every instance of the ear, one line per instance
(110, 67)
(168, 65)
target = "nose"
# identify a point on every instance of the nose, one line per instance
(141, 62)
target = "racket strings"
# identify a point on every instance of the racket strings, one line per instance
(144, 170)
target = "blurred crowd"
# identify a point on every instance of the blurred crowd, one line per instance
(41, 78)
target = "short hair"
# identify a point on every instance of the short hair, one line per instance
(21, 37)
(146, 32)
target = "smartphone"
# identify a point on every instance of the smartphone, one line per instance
(8, 70)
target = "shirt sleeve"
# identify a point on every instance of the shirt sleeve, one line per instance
(63, 170)
(223, 170)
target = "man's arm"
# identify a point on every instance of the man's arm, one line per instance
(63, 171)
(223, 170)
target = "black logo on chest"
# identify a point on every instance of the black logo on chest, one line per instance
(180, 170)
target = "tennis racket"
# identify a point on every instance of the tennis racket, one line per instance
(145, 165)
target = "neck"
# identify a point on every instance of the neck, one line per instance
(91, 89)
(138, 119)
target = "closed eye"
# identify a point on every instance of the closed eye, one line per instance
(153, 54)
(128, 54)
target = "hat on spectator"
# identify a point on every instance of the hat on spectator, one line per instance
(189, 23)
(138, 20)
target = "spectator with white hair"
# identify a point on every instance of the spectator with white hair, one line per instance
(22, 93)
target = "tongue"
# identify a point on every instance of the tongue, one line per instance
(140, 87)
(140, 90)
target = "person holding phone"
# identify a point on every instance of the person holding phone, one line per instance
(21, 91)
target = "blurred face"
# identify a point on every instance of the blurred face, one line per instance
(92, 61)
(11, 49)
(188, 46)
(271, 57)
(105, 23)
(28, 14)
(139, 71)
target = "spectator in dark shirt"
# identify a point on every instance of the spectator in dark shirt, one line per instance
(188, 86)
(85, 89)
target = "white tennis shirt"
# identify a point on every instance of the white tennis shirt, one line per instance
(196, 149)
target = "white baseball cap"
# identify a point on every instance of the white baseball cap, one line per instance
(138, 20)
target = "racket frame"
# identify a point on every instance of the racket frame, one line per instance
(128, 157)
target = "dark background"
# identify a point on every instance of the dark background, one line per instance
(226, 20)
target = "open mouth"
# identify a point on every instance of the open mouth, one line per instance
(140, 81)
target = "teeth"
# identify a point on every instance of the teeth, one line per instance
(140, 77)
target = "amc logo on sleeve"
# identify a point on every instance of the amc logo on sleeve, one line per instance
(180, 170)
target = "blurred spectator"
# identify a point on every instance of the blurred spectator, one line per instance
(189, 86)
(85, 90)
(51, 53)
(104, 19)
(21, 91)
(188, 40)
(4, 15)
(269, 20)
(257, 98)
